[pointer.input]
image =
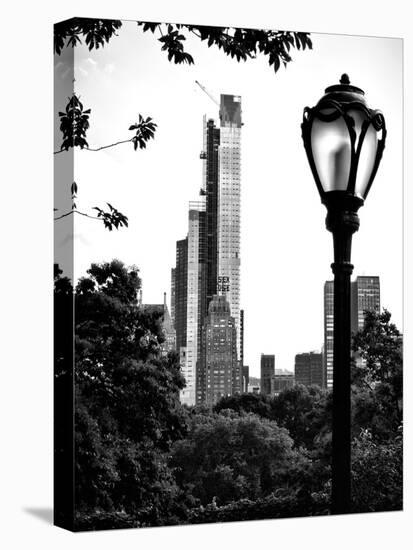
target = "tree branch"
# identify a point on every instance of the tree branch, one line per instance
(76, 212)
(98, 148)
(195, 33)
(107, 146)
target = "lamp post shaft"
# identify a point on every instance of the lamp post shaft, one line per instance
(341, 455)
(342, 224)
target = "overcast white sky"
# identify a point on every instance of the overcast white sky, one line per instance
(286, 251)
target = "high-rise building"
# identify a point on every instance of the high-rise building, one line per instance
(213, 247)
(308, 369)
(241, 332)
(267, 372)
(173, 296)
(328, 332)
(229, 205)
(220, 374)
(196, 231)
(365, 296)
(210, 155)
(281, 381)
(181, 292)
(181, 300)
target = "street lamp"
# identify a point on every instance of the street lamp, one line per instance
(344, 141)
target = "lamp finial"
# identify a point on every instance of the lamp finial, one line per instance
(344, 79)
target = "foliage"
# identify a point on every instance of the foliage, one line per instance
(377, 453)
(239, 43)
(127, 400)
(379, 343)
(378, 380)
(74, 122)
(377, 474)
(247, 402)
(96, 32)
(142, 459)
(305, 412)
(113, 218)
(172, 43)
(281, 504)
(227, 457)
(95, 521)
(145, 130)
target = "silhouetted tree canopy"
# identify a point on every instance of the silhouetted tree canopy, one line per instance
(239, 43)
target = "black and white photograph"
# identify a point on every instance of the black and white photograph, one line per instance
(206, 267)
(227, 274)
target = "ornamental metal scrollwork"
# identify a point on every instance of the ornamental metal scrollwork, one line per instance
(336, 110)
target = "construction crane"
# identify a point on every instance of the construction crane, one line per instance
(207, 93)
(203, 154)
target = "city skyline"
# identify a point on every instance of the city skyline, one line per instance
(279, 243)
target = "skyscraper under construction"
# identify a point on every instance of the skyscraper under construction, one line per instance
(213, 250)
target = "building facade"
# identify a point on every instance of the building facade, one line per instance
(308, 369)
(229, 205)
(181, 292)
(365, 296)
(328, 354)
(221, 375)
(196, 231)
(267, 372)
(173, 296)
(280, 382)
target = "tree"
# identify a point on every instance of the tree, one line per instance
(305, 412)
(126, 402)
(378, 380)
(239, 43)
(247, 402)
(377, 452)
(226, 457)
(377, 473)
(379, 343)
